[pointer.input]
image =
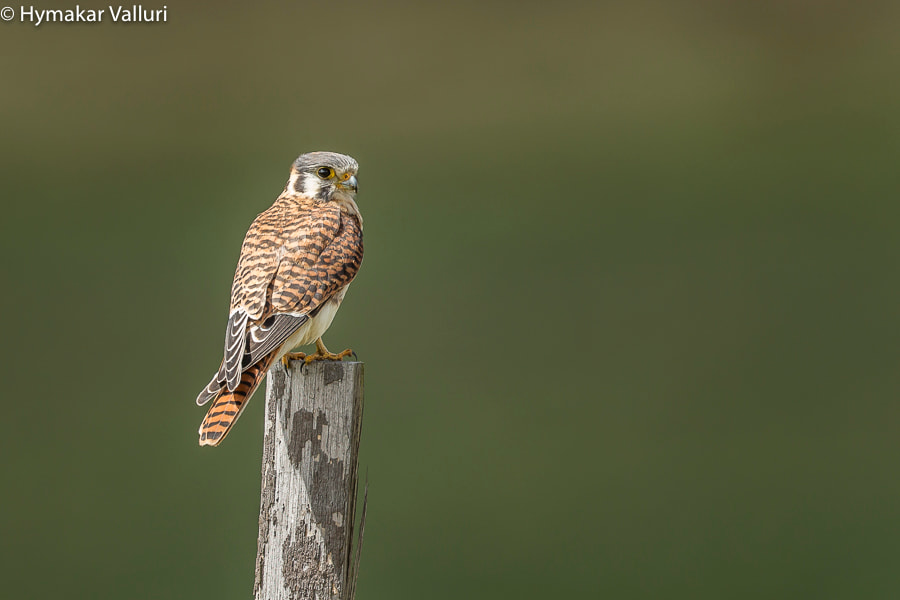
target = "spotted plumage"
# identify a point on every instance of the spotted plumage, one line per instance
(296, 262)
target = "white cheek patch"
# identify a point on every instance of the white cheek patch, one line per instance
(304, 183)
(311, 185)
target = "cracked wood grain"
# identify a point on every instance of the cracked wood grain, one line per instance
(309, 483)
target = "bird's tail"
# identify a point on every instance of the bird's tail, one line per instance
(227, 407)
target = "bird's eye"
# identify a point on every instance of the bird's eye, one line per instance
(325, 172)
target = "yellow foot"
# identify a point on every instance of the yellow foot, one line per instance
(322, 353)
(328, 356)
(287, 358)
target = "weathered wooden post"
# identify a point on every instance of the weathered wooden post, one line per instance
(309, 482)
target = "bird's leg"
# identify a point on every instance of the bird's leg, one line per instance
(322, 353)
(287, 358)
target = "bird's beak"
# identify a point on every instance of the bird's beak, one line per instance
(350, 184)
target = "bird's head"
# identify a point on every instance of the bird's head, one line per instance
(326, 176)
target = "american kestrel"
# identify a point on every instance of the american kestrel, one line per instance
(296, 263)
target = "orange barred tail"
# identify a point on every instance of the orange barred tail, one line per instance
(227, 407)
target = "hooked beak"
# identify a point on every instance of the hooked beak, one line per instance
(350, 184)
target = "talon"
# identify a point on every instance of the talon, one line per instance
(344, 354)
(288, 357)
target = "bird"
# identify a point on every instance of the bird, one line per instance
(296, 263)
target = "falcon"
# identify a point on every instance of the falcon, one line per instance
(296, 263)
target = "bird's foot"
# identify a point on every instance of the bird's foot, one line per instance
(287, 358)
(319, 355)
(322, 353)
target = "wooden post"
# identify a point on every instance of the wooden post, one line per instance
(309, 479)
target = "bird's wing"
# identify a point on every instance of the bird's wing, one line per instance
(295, 256)
(255, 270)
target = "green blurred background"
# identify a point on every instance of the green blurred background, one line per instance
(628, 307)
